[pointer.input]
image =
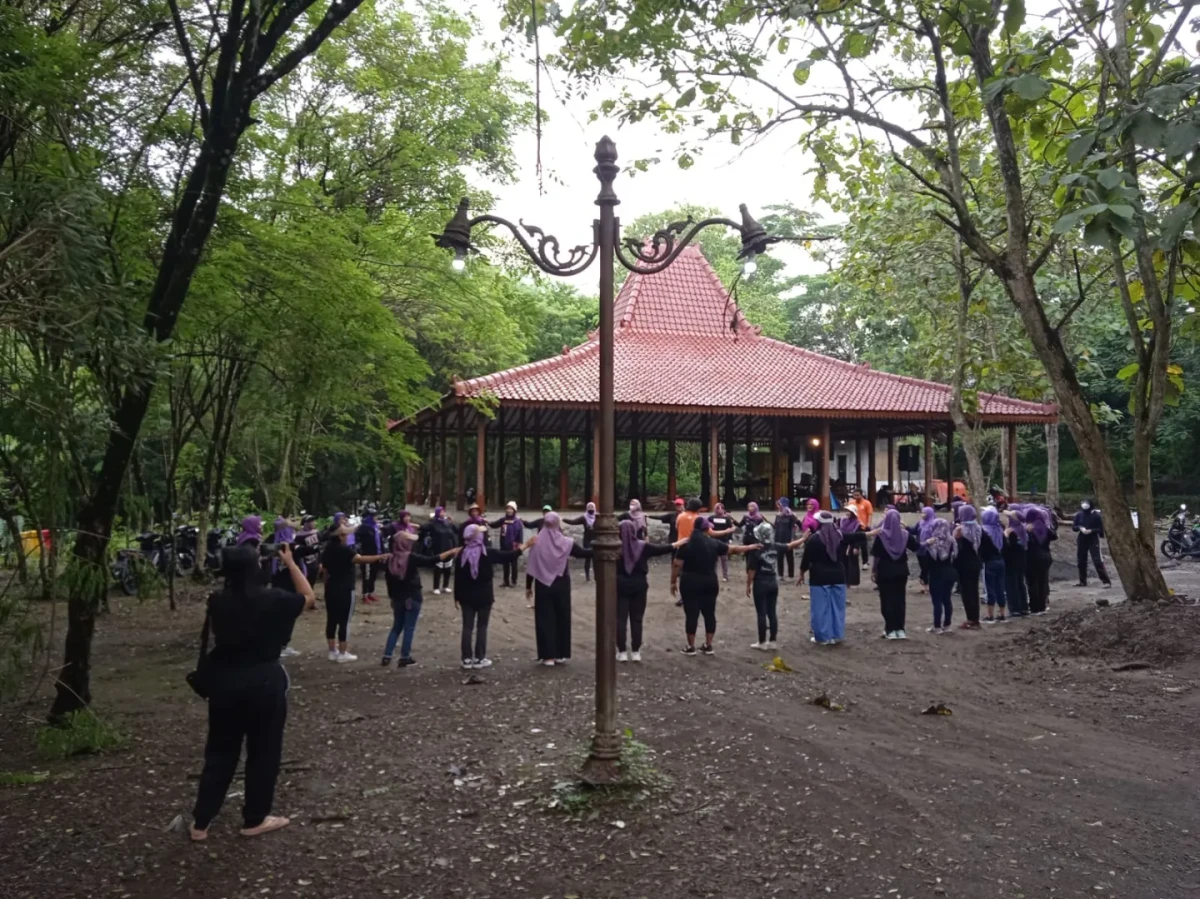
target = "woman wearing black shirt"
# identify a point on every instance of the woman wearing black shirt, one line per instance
(1038, 560)
(723, 528)
(889, 561)
(1016, 543)
(824, 563)
(632, 586)
(588, 520)
(762, 581)
(969, 562)
(248, 691)
(438, 535)
(474, 592)
(550, 555)
(694, 578)
(338, 562)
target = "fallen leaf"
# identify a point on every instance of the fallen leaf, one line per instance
(826, 703)
(938, 709)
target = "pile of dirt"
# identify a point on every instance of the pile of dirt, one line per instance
(1157, 633)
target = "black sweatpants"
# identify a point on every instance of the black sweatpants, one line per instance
(790, 557)
(766, 599)
(369, 573)
(893, 604)
(631, 609)
(1090, 543)
(257, 714)
(1038, 579)
(1014, 586)
(923, 567)
(510, 573)
(697, 602)
(475, 624)
(552, 620)
(337, 616)
(441, 577)
(968, 585)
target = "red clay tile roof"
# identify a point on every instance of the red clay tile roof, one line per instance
(682, 344)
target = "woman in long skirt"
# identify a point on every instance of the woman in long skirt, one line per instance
(1016, 545)
(762, 581)
(991, 552)
(889, 570)
(923, 530)
(632, 586)
(550, 553)
(856, 545)
(1038, 559)
(969, 537)
(824, 563)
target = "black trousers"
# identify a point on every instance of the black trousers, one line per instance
(552, 621)
(510, 573)
(475, 624)
(892, 603)
(337, 616)
(441, 578)
(923, 567)
(968, 585)
(1014, 586)
(1090, 543)
(631, 609)
(587, 568)
(256, 714)
(697, 602)
(369, 573)
(790, 557)
(1038, 579)
(766, 598)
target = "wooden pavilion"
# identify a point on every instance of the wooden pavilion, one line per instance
(692, 371)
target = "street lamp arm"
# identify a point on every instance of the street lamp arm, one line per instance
(664, 247)
(546, 255)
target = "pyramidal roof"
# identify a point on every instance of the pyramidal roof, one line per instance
(683, 345)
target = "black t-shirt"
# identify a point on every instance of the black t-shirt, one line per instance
(699, 556)
(638, 578)
(823, 571)
(968, 560)
(338, 560)
(251, 630)
(887, 568)
(987, 550)
(722, 523)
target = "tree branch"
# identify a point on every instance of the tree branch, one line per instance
(337, 13)
(190, 60)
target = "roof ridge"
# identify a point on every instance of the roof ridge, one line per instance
(906, 379)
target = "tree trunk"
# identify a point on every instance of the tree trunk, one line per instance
(970, 437)
(1133, 558)
(1143, 489)
(1052, 466)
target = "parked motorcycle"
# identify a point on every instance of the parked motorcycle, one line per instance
(216, 540)
(123, 570)
(185, 547)
(1182, 542)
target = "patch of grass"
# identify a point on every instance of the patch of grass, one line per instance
(22, 778)
(639, 781)
(81, 733)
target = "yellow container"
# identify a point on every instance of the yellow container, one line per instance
(29, 542)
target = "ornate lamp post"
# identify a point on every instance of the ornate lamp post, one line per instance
(602, 764)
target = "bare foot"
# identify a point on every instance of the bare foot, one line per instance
(198, 836)
(269, 823)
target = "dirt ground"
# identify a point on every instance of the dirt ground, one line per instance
(1055, 776)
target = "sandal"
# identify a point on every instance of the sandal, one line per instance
(269, 824)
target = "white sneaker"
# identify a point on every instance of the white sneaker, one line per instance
(622, 657)
(762, 645)
(901, 635)
(635, 656)
(437, 592)
(288, 652)
(771, 644)
(933, 630)
(483, 663)
(346, 657)
(468, 663)
(548, 663)
(891, 635)
(333, 655)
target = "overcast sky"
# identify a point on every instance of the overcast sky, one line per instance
(724, 176)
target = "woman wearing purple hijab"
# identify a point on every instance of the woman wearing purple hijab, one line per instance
(474, 592)
(251, 531)
(437, 536)
(512, 534)
(1038, 559)
(889, 570)
(824, 561)
(588, 520)
(941, 549)
(856, 545)
(991, 552)
(1016, 544)
(632, 586)
(281, 576)
(550, 554)
(922, 530)
(969, 537)
(403, 583)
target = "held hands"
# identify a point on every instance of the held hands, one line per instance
(450, 553)
(674, 589)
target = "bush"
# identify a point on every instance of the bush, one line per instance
(80, 733)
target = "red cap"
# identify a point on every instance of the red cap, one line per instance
(679, 501)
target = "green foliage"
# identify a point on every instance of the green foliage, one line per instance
(81, 733)
(639, 780)
(22, 778)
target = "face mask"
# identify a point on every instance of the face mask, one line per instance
(1086, 506)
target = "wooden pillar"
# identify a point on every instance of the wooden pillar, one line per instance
(408, 484)
(671, 492)
(777, 478)
(501, 493)
(535, 476)
(714, 457)
(1011, 487)
(872, 444)
(705, 469)
(949, 464)
(891, 451)
(442, 457)
(823, 452)
(790, 449)
(930, 471)
(634, 467)
(460, 463)
(589, 468)
(480, 460)
(564, 480)
(728, 495)
(419, 469)
(522, 479)
(645, 479)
